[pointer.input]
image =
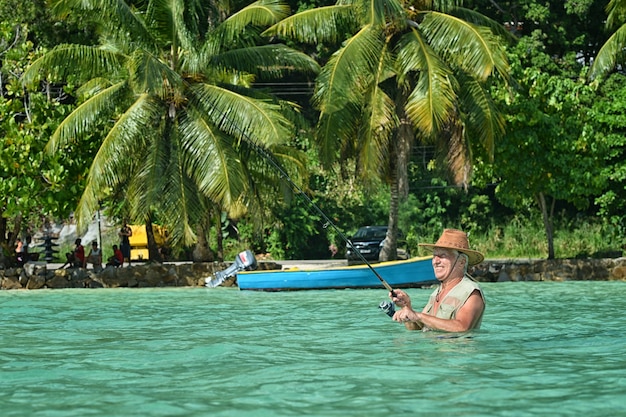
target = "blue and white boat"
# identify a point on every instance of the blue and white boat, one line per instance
(414, 272)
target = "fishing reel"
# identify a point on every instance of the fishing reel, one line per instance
(387, 308)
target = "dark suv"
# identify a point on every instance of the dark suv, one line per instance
(369, 241)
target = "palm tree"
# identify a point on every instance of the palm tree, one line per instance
(408, 71)
(171, 84)
(612, 52)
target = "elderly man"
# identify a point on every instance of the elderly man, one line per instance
(457, 305)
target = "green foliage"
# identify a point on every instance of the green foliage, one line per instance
(564, 139)
(34, 186)
(430, 210)
(477, 213)
(172, 85)
(296, 230)
(547, 148)
(522, 236)
(33, 21)
(608, 115)
(566, 31)
(400, 73)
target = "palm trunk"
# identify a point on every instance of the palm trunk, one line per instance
(15, 233)
(219, 238)
(202, 252)
(153, 249)
(389, 250)
(3, 229)
(398, 180)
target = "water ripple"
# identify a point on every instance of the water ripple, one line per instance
(545, 348)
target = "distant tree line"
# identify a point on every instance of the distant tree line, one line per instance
(156, 113)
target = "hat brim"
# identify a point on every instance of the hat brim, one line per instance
(474, 257)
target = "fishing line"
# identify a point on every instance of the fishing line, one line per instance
(302, 194)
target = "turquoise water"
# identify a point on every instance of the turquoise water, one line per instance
(545, 348)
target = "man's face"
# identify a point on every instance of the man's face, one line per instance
(444, 262)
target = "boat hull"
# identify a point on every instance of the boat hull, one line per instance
(414, 272)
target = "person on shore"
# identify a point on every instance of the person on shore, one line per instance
(22, 249)
(117, 259)
(125, 233)
(458, 303)
(79, 254)
(19, 252)
(76, 258)
(95, 256)
(70, 260)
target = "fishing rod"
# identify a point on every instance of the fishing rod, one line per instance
(385, 306)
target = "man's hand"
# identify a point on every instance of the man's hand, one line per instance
(410, 318)
(400, 298)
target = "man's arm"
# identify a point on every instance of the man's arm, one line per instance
(466, 318)
(402, 299)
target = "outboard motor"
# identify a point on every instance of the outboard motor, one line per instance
(244, 261)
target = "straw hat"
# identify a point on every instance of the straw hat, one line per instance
(457, 240)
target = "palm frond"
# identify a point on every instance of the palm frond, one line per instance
(82, 120)
(336, 131)
(259, 14)
(293, 160)
(616, 10)
(433, 99)
(380, 12)
(375, 133)
(126, 137)
(167, 19)
(162, 185)
(226, 76)
(431, 103)
(213, 162)
(341, 79)
(93, 86)
(243, 116)
(118, 17)
(378, 121)
(150, 74)
(610, 55)
(318, 25)
(87, 205)
(180, 208)
(81, 61)
(270, 60)
(266, 169)
(479, 19)
(484, 121)
(473, 48)
(147, 179)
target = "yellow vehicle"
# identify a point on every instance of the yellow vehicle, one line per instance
(139, 241)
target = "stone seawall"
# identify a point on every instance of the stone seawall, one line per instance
(37, 275)
(608, 269)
